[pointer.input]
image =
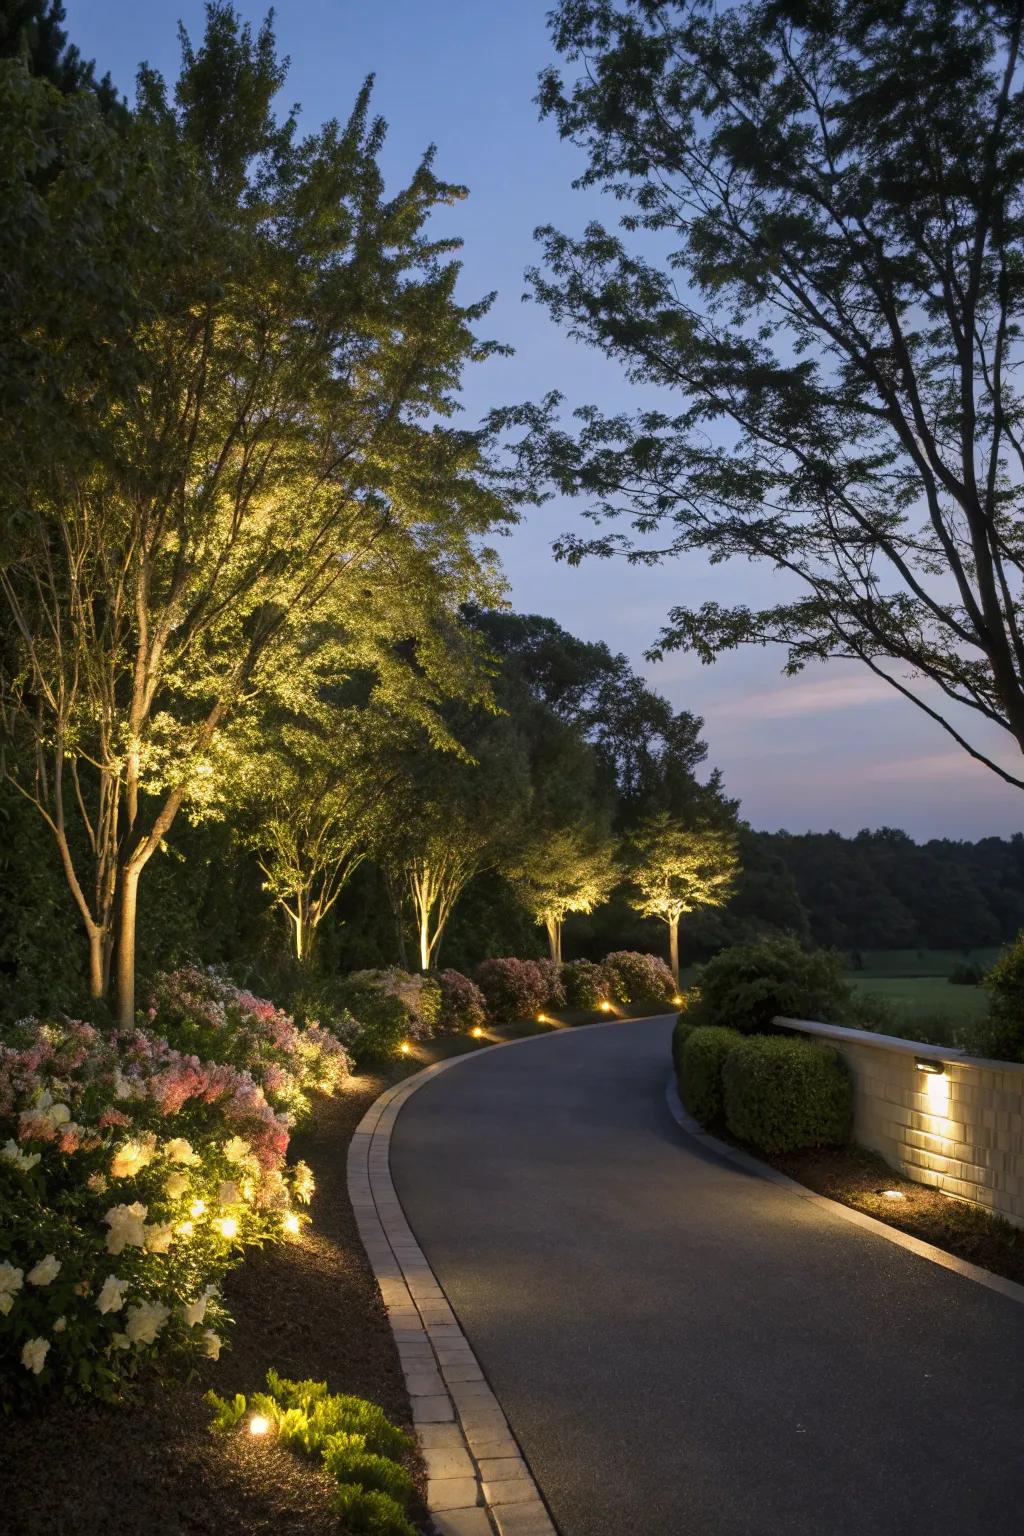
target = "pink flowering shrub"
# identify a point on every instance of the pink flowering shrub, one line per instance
(513, 989)
(463, 1006)
(552, 973)
(632, 977)
(202, 1014)
(388, 1007)
(131, 1177)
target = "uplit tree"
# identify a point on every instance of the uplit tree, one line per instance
(242, 434)
(569, 869)
(825, 305)
(676, 869)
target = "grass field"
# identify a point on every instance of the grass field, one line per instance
(902, 963)
(914, 985)
(930, 995)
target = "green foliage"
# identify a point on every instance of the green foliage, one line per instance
(684, 1028)
(1002, 1034)
(781, 1094)
(637, 978)
(585, 983)
(700, 1057)
(370, 1514)
(351, 1437)
(829, 380)
(745, 987)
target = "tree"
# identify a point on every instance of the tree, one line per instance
(837, 190)
(568, 869)
(33, 30)
(254, 439)
(676, 869)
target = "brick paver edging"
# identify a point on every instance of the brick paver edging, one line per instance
(478, 1482)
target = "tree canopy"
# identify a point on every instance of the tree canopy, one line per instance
(820, 267)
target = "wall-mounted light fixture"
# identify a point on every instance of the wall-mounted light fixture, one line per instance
(934, 1068)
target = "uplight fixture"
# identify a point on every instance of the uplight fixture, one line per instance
(605, 1007)
(933, 1068)
(542, 1018)
(258, 1424)
(477, 1032)
(893, 1194)
(227, 1226)
(677, 999)
(291, 1223)
(405, 1047)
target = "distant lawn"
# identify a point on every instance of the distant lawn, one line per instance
(925, 996)
(921, 962)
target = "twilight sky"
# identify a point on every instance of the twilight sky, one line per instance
(832, 748)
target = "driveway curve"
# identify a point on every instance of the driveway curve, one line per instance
(682, 1348)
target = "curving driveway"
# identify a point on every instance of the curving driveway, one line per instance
(682, 1348)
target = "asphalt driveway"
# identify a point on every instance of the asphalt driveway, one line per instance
(684, 1349)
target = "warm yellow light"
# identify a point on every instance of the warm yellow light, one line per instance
(291, 1222)
(227, 1226)
(677, 999)
(197, 1207)
(606, 1007)
(405, 1047)
(258, 1425)
(542, 1018)
(185, 1229)
(893, 1194)
(936, 1087)
(477, 1032)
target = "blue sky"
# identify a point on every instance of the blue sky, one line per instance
(832, 748)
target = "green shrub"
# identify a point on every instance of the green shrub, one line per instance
(585, 984)
(781, 1094)
(1001, 1034)
(682, 1032)
(745, 987)
(352, 1439)
(699, 1068)
(633, 977)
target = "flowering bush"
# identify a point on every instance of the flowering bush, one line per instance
(552, 974)
(635, 978)
(391, 1006)
(463, 1006)
(131, 1177)
(513, 989)
(202, 1014)
(585, 984)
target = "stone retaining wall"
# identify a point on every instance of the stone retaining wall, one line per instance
(961, 1130)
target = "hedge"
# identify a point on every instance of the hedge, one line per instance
(781, 1094)
(699, 1063)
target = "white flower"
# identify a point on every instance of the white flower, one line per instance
(58, 1114)
(133, 1156)
(229, 1193)
(122, 1087)
(111, 1296)
(45, 1271)
(33, 1356)
(127, 1225)
(121, 1341)
(179, 1150)
(177, 1184)
(144, 1321)
(23, 1160)
(236, 1150)
(194, 1312)
(211, 1344)
(158, 1238)
(11, 1279)
(6, 1303)
(60, 1324)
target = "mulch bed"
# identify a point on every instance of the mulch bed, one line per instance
(856, 1177)
(151, 1467)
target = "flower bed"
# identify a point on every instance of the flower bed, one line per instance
(131, 1177)
(202, 1014)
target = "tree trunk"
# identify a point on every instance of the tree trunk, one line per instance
(554, 929)
(98, 962)
(127, 912)
(424, 917)
(673, 931)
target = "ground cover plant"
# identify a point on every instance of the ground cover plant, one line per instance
(352, 1438)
